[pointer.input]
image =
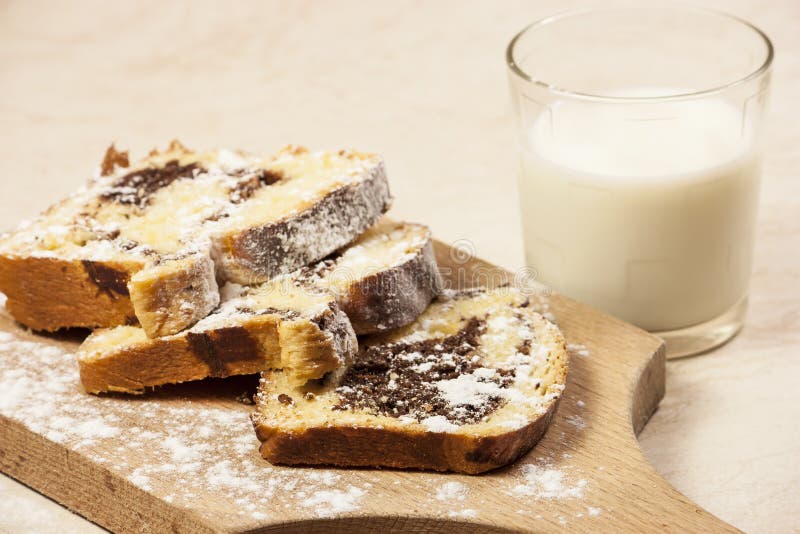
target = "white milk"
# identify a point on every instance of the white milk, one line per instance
(647, 212)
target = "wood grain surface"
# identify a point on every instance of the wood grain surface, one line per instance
(184, 458)
(424, 83)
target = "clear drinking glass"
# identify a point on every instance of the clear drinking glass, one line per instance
(640, 134)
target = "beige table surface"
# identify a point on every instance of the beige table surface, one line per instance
(424, 83)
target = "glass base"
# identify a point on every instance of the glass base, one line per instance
(703, 337)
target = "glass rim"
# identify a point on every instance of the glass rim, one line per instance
(518, 71)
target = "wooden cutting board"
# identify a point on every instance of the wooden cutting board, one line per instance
(185, 458)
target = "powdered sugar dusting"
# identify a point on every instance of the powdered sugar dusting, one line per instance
(469, 389)
(160, 444)
(198, 451)
(331, 502)
(454, 494)
(576, 421)
(451, 491)
(577, 349)
(466, 513)
(438, 423)
(548, 482)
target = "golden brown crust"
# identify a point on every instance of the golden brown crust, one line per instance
(51, 293)
(110, 362)
(174, 295)
(393, 297)
(175, 146)
(366, 446)
(113, 158)
(310, 351)
(226, 351)
(261, 252)
(336, 423)
(246, 255)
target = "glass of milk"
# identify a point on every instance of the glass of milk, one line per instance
(639, 133)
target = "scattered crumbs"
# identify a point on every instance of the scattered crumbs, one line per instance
(580, 403)
(593, 512)
(327, 503)
(576, 349)
(548, 482)
(328, 478)
(451, 491)
(576, 421)
(467, 513)
(245, 398)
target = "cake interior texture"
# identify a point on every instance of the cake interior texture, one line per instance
(476, 364)
(296, 322)
(151, 242)
(176, 201)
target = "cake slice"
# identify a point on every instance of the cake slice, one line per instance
(385, 279)
(296, 322)
(275, 325)
(148, 243)
(470, 386)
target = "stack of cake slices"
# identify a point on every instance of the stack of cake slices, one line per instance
(190, 265)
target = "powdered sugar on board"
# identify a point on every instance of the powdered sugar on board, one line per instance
(177, 449)
(544, 481)
(577, 349)
(195, 449)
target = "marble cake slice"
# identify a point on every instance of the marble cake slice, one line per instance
(278, 324)
(384, 279)
(300, 322)
(148, 243)
(470, 386)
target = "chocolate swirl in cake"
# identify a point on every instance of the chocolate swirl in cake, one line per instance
(401, 379)
(252, 182)
(137, 187)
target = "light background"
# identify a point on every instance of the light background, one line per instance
(423, 83)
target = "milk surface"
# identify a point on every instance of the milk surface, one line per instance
(646, 211)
